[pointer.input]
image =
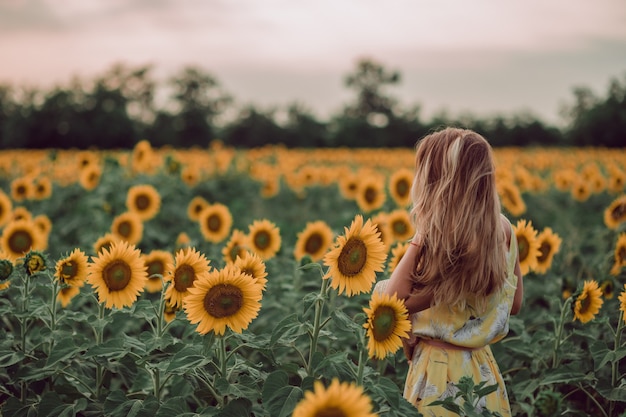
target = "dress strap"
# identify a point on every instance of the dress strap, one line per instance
(512, 255)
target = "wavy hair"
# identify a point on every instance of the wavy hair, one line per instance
(456, 212)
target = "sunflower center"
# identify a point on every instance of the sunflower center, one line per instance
(20, 241)
(214, 223)
(117, 275)
(223, 300)
(142, 202)
(69, 269)
(399, 227)
(155, 267)
(524, 248)
(262, 240)
(235, 251)
(352, 257)
(402, 188)
(544, 251)
(184, 278)
(619, 212)
(370, 194)
(125, 229)
(20, 190)
(313, 244)
(384, 322)
(621, 255)
(585, 303)
(330, 412)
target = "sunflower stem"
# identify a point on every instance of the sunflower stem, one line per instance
(615, 363)
(222, 355)
(319, 306)
(99, 339)
(559, 333)
(361, 368)
(53, 311)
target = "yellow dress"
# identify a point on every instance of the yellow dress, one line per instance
(434, 368)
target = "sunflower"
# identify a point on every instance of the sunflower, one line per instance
(128, 226)
(511, 197)
(400, 186)
(340, 399)
(6, 208)
(349, 185)
(144, 200)
(190, 175)
(141, 157)
(118, 275)
(221, 298)
(608, 288)
(195, 207)
(616, 181)
(270, 187)
(399, 225)
(314, 241)
(237, 245)
(43, 223)
(34, 261)
(182, 241)
(619, 254)
(587, 302)
(370, 194)
(21, 213)
(157, 262)
(622, 302)
(6, 270)
(42, 188)
(104, 242)
(387, 324)
(549, 245)
(615, 213)
(189, 266)
(528, 245)
(397, 252)
(21, 236)
(355, 259)
(86, 158)
(21, 189)
(72, 270)
(251, 264)
(66, 294)
(215, 222)
(169, 313)
(89, 177)
(264, 238)
(381, 223)
(581, 189)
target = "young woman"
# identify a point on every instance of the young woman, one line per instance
(460, 278)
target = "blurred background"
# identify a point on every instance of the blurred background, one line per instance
(107, 74)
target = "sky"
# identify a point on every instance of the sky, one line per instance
(478, 57)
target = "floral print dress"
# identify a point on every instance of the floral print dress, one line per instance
(436, 366)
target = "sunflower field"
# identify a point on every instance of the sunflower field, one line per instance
(227, 282)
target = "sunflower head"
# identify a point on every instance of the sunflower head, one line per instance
(252, 265)
(313, 241)
(6, 269)
(340, 399)
(117, 275)
(215, 222)
(615, 213)
(387, 323)
(34, 262)
(21, 236)
(356, 257)
(66, 294)
(144, 200)
(223, 298)
(528, 245)
(236, 246)
(264, 238)
(587, 301)
(72, 270)
(189, 266)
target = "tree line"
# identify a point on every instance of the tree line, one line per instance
(120, 108)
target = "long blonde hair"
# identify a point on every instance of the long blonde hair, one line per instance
(456, 211)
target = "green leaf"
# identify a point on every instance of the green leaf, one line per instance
(8, 358)
(61, 350)
(389, 391)
(237, 408)
(602, 354)
(274, 382)
(564, 375)
(282, 403)
(345, 322)
(113, 349)
(175, 406)
(187, 358)
(287, 330)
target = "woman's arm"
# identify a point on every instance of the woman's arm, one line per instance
(401, 284)
(519, 291)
